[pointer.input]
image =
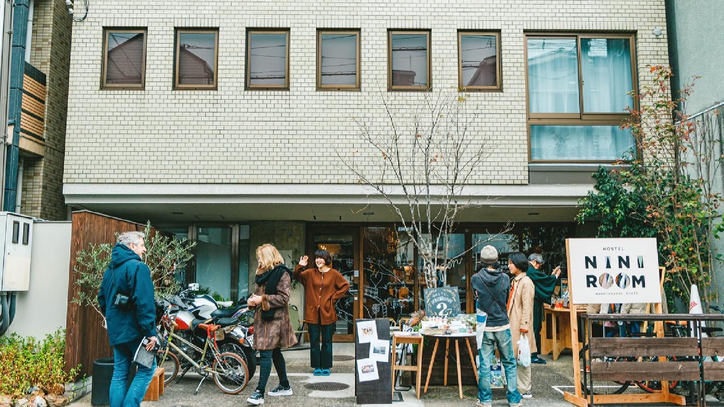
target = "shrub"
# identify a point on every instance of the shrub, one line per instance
(26, 363)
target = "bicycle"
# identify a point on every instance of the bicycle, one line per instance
(229, 371)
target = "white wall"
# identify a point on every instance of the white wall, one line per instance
(43, 309)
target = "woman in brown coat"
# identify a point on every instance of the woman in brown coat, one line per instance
(520, 314)
(323, 286)
(272, 329)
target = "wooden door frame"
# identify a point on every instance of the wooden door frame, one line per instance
(354, 231)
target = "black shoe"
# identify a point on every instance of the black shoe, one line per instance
(281, 391)
(256, 398)
(537, 360)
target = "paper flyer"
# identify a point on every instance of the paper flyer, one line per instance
(367, 370)
(367, 331)
(380, 350)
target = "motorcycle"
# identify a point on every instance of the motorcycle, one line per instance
(189, 310)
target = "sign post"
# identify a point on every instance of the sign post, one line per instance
(613, 270)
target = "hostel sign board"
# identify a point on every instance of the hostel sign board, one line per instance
(613, 270)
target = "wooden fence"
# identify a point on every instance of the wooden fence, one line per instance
(86, 340)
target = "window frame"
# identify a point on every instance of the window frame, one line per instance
(358, 82)
(397, 88)
(104, 61)
(498, 63)
(581, 118)
(247, 62)
(177, 56)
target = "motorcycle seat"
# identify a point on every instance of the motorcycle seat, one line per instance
(227, 321)
(226, 312)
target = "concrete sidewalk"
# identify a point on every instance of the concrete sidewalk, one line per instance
(338, 389)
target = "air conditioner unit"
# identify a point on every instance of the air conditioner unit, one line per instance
(16, 243)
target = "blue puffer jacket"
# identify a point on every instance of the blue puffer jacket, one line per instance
(132, 278)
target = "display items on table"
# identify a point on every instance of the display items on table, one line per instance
(461, 324)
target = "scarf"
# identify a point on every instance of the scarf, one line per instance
(271, 278)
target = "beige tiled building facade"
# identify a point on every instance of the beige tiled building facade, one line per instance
(249, 152)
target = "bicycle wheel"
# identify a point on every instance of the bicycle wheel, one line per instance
(230, 373)
(653, 386)
(599, 387)
(170, 365)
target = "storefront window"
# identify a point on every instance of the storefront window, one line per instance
(388, 261)
(505, 244)
(550, 241)
(452, 276)
(213, 261)
(244, 251)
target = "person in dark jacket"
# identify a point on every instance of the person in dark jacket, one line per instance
(126, 301)
(544, 286)
(491, 287)
(323, 286)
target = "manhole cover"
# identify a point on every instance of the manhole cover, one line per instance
(342, 358)
(326, 386)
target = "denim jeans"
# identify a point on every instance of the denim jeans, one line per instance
(320, 358)
(122, 395)
(504, 344)
(266, 357)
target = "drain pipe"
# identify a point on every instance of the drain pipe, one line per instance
(19, 196)
(8, 310)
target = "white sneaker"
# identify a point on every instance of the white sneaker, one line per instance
(256, 398)
(281, 391)
(527, 396)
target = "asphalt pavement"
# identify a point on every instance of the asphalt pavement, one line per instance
(337, 390)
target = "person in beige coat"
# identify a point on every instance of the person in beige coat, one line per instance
(520, 314)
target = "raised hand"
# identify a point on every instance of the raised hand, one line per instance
(303, 261)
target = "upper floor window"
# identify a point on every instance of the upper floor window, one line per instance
(267, 59)
(578, 91)
(478, 60)
(124, 58)
(408, 60)
(338, 59)
(197, 52)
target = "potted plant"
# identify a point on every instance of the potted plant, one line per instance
(165, 256)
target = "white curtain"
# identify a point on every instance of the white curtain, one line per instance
(553, 75)
(606, 68)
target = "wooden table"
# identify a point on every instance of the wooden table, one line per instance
(455, 338)
(559, 338)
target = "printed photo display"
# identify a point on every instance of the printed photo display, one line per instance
(367, 331)
(379, 350)
(367, 370)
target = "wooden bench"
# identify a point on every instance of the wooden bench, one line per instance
(155, 389)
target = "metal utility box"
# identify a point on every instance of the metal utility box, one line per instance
(16, 243)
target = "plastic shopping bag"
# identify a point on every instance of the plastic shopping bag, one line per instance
(481, 318)
(523, 351)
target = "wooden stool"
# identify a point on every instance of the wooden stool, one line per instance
(405, 339)
(156, 387)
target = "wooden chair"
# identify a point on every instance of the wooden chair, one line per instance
(404, 340)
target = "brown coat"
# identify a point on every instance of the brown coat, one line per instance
(321, 292)
(277, 333)
(520, 311)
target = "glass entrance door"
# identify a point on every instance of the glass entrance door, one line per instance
(342, 243)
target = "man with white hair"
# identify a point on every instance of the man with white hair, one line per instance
(126, 300)
(544, 286)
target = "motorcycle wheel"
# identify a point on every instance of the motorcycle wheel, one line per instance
(248, 354)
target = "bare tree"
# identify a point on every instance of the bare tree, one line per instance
(421, 165)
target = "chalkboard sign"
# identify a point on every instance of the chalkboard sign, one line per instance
(442, 302)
